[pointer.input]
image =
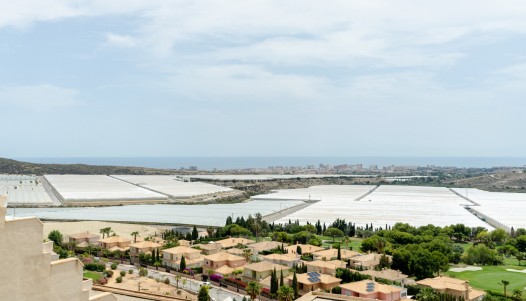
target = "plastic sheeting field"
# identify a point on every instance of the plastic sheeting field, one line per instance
(210, 215)
(23, 190)
(265, 177)
(93, 188)
(171, 186)
(386, 205)
(507, 208)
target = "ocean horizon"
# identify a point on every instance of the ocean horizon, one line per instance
(224, 163)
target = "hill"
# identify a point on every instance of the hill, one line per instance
(8, 166)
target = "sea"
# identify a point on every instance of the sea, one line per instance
(228, 163)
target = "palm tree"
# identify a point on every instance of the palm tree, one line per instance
(426, 294)
(286, 293)
(105, 231)
(247, 253)
(134, 234)
(505, 283)
(253, 289)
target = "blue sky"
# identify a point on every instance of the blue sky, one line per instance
(262, 78)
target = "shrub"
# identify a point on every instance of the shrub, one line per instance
(98, 267)
(109, 273)
(167, 281)
(118, 279)
(123, 273)
(143, 272)
(130, 271)
(113, 266)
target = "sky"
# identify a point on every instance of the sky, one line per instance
(125, 78)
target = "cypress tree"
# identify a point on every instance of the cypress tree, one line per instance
(195, 234)
(182, 265)
(339, 252)
(281, 280)
(273, 283)
(295, 285)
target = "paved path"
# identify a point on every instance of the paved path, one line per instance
(192, 285)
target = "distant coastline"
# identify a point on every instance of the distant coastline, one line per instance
(225, 163)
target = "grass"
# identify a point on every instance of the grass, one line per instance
(355, 243)
(490, 278)
(465, 245)
(92, 275)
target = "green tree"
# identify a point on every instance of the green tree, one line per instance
(426, 294)
(195, 234)
(203, 293)
(333, 232)
(517, 294)
(273, 283)
(339, 256)
(182, 264)
(520, 256)
(281, 280)
(253, 289)
(295, 286)
(421, 264)
(134, 234)
(56, 237)
(505, 284)
(286, 293)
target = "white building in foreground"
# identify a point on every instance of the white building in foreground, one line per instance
(29, 269)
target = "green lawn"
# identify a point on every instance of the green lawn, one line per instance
(354, 243)
(92, 275)
(465, 245)
(490, 278)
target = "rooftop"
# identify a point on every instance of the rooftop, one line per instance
(368, 287)
(234, 241)
(265, 266)
(223, 256)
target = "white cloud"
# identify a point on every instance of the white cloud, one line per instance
(38, 97)
(124, 41)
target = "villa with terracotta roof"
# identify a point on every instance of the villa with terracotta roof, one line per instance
(283, 259)
(388, 274)
(143, 247)
(209, 248)
(324, 267)
(232, 242)
(333, 254)
(373, 290)
(323, 296)
(30, 271)
(184, 242)
(308, 282)
(220, 259)
(86, 237)
(114, 243)
(305, 249)
(452, 286)
(264, 246)
(192, 257)
(263, 269)
(366, 261)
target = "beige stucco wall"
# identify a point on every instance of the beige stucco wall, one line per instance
(28, 273)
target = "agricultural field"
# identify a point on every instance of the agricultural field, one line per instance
(24, 190)
(505, 207)
(173, 186)
(96, 188)
(387, 205)
(206, 215)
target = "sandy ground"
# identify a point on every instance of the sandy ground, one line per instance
(131, 282)
(68, 228)
(518, 271)
(469, 268)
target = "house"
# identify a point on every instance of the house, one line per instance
(192, 257)
(313, 281)
(370, 289)
(114, 243)
(236, 251)
(452, 286)
(366, 261)
(86, 237)
(227, 271)
(30, 271)
(261, 270)
(184, 242)
(220, 259)
(333, 254)
(264, 246)
(305, 249)
(324, 267)
(143, 247)
(283, 259)
(388, 274)
(234, 242)
(323, 296)
(209, 248)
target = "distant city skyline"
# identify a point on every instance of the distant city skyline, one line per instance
(149, 78)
